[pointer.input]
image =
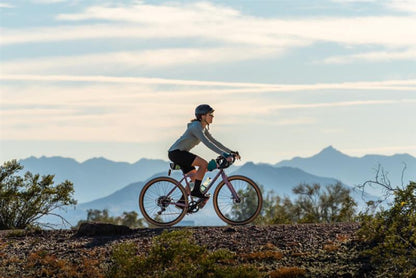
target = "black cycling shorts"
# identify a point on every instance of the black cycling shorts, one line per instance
(183, 159)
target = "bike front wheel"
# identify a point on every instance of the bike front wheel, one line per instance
(158, 202)
(243, 209)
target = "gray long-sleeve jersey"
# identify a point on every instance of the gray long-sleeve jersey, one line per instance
(195, 134)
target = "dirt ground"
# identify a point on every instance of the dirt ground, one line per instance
(322, 250)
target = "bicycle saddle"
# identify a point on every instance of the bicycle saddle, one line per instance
(174, 166)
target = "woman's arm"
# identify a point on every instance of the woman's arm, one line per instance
(218, 144)
(197, 131)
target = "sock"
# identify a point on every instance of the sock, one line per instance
(197, 185)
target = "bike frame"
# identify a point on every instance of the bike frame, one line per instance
(220, 173)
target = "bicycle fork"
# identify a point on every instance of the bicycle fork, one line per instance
(230, 187)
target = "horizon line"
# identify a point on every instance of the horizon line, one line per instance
(254, 162)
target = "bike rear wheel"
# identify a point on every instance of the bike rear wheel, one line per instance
(158, 200)
(242, 210)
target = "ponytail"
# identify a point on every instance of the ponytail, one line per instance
(198, 120)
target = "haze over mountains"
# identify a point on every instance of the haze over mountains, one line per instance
(99, 177)
(96, 177)
(100, 183)
(400, 168)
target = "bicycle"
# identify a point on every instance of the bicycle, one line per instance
(237, 199)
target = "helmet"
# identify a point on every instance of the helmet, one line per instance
(203, 109)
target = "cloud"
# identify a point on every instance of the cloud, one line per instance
(408, 6)
(237, 36)
(221, 24)
(353, 1)
(296, 121)
(48, 1)
(239, 87)
(225, 34)
(98, 108)
(80, 115)
(343, 104)
(376, 56)
(165, 14)
(127, 60)
(101, 98)
(6, 5)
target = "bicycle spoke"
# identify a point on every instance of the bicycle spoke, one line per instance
(241, 209)
(157, 202)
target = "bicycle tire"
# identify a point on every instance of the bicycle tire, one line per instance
(153, 197)
(235, 213)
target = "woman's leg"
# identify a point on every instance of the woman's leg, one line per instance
(192, 175)
(202, 165)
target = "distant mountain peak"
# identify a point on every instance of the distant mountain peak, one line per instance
(330, 151)
(97, 160)
(330, 148)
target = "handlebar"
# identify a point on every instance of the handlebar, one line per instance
(223, 163)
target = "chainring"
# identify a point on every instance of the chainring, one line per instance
(193, 207)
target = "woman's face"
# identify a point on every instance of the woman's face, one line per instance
(209, 117)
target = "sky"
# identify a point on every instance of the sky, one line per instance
(121, 79)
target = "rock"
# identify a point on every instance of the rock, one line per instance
(102, 229)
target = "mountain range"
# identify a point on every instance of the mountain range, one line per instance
(399, 168)
(96, 177)
(103, 184)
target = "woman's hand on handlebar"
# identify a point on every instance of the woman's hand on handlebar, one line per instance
(231, 157)
(236, 155)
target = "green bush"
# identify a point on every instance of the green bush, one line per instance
(23, 200)
(175, 254)
(391, 235)
(127, 218)
(314, 204)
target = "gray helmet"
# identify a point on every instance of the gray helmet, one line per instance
(203, 109)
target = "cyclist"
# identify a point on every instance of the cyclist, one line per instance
(196, 132)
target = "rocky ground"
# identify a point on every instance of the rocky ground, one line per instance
(321, 250)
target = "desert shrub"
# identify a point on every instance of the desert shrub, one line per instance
(23, 200)
(391, 235)
(43, 264)
(129, 219)
(314, 204)
(175, 254)
(288, 272)
(334, 204)
(262, 255)
(275, 210)
(16, 233)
